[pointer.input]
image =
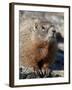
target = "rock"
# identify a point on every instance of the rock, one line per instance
(31, 75)
(22, 76)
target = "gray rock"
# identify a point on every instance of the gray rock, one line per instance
(31, 75)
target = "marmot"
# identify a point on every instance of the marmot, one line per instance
(38, 44)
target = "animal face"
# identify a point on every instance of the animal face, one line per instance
(45, 31)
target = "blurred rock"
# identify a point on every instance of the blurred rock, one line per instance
(33, 75)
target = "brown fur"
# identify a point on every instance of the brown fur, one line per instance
(39, 54)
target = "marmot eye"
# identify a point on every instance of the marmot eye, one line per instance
(43, 27)
(36, 27)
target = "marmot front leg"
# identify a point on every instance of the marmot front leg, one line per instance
(45, 69)
(36, 68)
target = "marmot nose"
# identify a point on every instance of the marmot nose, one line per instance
(54, 31)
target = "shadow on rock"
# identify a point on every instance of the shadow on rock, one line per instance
(59, 61)
(59, 37)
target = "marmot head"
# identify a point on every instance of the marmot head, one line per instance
(44, 31)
